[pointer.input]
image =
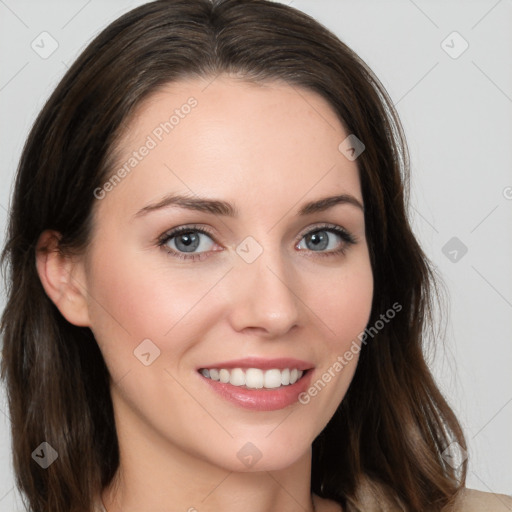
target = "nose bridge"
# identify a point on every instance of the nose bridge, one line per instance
(265, 292)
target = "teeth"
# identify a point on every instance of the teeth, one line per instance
(237, 377)
(254, 378)
(272, 379)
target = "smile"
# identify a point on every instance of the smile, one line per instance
(254, 378)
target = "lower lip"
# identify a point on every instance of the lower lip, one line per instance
(261, 399)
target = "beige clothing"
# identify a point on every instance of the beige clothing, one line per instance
(478, 501)
(98, 506)
(470, 501)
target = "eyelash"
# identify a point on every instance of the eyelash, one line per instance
(348, 239)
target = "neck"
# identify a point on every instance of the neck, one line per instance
(262, 491)
(155, 474)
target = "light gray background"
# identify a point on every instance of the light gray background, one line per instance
(457, 117)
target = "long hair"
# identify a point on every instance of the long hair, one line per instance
(386, 439)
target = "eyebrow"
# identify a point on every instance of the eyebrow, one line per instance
(223, 208)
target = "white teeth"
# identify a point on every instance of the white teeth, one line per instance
(237, 377)
(254, 378)
(272, 379)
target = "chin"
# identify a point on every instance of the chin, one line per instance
(264, 452)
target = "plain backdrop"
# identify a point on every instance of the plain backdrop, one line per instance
(446, 66)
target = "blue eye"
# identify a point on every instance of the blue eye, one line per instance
(322, 239)
(183, 241)
(186, 239)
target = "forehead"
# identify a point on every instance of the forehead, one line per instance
(232, 138)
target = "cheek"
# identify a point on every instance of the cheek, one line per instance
(344, 307)
(344, 302)
(133, 298)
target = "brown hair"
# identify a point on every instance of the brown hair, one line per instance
(390, 430)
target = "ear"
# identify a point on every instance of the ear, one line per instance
(62, 277)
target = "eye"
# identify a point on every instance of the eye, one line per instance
(186, 239)
(322, 240)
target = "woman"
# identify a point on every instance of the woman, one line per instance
(216, 299)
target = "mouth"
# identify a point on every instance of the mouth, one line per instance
(254, 378)
(258, 384)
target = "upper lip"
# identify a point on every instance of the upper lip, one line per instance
(265, 364)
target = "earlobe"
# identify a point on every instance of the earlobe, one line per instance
(62, 278)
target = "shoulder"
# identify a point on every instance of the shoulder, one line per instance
(98, 504)
(325, 505)
(470, 500)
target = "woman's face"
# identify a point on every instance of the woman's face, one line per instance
(268, 279)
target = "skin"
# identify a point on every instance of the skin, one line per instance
(267, 149)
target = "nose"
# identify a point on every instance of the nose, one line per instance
(264, 296)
